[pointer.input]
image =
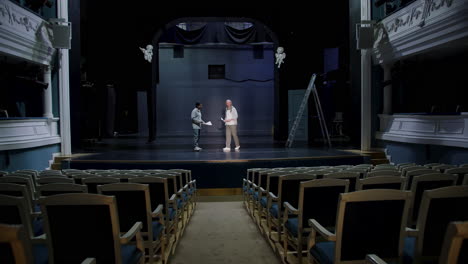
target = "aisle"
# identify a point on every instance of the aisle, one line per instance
(222, 232)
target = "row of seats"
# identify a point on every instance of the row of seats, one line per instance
(106, 216)
(340, 214)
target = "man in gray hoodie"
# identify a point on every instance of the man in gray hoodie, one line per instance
(196, 124)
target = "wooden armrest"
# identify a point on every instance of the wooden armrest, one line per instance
(374, 259)
(89, 261)
(273, 196)
(158, 211)
(322, 230)
(36, 214)
(42, 239)
(127, 237)
(289, 208)
(412, 232)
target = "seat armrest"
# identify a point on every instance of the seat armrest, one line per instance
(329, 236)
(42, 239)
(158, 211)
(374, 259)
(135, 230)
(173, 197)
(262, 190)
(36, 214)
(89, 261)
(412, 232)
(272, 196)
(289, 209)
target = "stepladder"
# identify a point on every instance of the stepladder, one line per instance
(311, 88)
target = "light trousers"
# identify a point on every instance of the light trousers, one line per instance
(231, 131)
(196, 137)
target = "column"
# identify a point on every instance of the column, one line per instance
(387, 90)
(47, 95)
(64, 87)
(366, 64)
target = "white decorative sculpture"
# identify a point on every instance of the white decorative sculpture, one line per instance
(148, 52)
(280, 56)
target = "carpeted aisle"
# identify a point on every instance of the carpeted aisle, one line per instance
(222, 232)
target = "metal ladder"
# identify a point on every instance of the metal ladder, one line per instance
(300, 113)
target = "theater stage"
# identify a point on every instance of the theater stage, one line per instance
(212, 167)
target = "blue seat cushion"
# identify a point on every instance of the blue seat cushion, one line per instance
(38, 226)
(274, 211)
(191, 191)
(293, 226)
(250, 191)
(264, 202)
(41, 254)
(180, 203)
(172, 213)
(157, 229)
(185, 197)
(324, 252)
(130, 254)
(255, 196)
(408, 250)
(244, 188)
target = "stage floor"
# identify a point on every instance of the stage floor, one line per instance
(211, 167)
(176, 149)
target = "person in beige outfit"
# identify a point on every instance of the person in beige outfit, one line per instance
(230, 120)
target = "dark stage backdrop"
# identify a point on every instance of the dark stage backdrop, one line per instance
(183, 81)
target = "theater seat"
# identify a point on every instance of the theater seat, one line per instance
(264, 201)
(292, 225)
(324, 252)
(318, 200)
(41, 254)
(130, 254)
(368, 222)
(38, 226)
(180, 203)
(172, 213)
(274, 211)
(157, 229)
(408, 250)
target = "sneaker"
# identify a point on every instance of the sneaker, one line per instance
(237, 148)
(197, 149)
(226, 149)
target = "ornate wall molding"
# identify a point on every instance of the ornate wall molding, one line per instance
(421, 129)
(28, 133)
(421, 26)
(24, 34)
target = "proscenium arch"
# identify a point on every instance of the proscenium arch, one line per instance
(151, 91)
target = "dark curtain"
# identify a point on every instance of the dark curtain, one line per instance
(216, 32)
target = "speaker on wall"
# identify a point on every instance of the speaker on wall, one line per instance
(61, 33)
(364, 36)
